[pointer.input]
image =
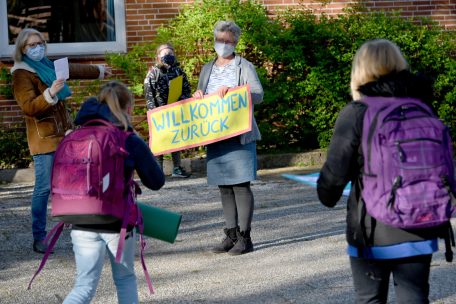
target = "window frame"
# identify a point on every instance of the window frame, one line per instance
(72, 48)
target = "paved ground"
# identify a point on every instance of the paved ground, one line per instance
(299, 257)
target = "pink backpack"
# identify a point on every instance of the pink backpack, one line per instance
(88, 185)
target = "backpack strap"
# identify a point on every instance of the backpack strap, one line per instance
(130, 197)
(143, 246)
(448, 236)
(447, 185)
(54, 235)
(368, 240)
(133, 190)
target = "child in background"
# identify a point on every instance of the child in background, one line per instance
(157, 91)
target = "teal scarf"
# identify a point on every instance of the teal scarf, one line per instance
(45, 70)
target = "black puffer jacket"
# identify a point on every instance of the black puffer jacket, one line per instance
(345, 162)
(156, 85)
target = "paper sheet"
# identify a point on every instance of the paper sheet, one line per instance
(61, 68)
(175, 89)
(311, 180)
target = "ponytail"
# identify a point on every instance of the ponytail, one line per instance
(118, 98)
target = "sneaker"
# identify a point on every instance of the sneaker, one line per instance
(180, 172)
(40, 247)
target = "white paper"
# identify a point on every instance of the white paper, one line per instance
(105, 182)
(61, 68)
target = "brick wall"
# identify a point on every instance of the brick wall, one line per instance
(144, 16)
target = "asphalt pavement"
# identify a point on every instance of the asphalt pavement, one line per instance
(299, 252)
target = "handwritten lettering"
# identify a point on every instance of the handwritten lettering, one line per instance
(202, 129)
(190, 123)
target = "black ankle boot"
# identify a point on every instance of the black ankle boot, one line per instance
(244, 243)
(228, 242)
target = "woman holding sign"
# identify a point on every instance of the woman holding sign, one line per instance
(166, 83)
(41, 97)
(232, 163)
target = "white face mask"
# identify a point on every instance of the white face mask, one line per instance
(223, 49)
(36, 53)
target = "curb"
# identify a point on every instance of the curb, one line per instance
(196, 165)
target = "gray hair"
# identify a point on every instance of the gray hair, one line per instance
(21, 42)
(228, 26)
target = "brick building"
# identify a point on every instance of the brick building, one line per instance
(140, 18)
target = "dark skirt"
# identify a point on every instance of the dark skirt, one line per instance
(230, 163)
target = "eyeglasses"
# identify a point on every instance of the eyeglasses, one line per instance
(224, 41)
(34, 44)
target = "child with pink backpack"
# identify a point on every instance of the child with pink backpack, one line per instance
(91, 241)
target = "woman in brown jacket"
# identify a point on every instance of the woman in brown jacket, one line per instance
(41, 97)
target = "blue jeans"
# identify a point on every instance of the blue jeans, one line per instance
(89, 251)
(410, 275)
(43, 167)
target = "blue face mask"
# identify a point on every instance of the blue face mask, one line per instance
(36, 53)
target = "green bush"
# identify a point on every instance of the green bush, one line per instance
(305, 96)
(304, 62)
(14, 151)
(5, 88)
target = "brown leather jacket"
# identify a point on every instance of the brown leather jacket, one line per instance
(46, 124)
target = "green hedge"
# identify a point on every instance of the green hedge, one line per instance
(303, 61)
(14, 151)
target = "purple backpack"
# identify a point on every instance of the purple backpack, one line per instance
(88, 185)
(408, 178)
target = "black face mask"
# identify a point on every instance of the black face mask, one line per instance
(168, 59)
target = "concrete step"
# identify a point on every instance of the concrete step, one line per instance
(197, 165)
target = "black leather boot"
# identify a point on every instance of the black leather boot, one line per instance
(244, 243)
(228, 242)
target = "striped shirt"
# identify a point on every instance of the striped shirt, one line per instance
(222, 76)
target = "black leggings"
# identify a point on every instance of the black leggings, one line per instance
(237, 202)
(176, 159)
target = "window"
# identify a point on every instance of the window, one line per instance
(80, 27)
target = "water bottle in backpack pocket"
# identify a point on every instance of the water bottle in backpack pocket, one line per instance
(408, 178)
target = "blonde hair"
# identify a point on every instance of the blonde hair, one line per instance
(375, 58)
(164, 46)
(119, 99)
(21, 42)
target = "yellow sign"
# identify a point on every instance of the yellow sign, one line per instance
(197, 122)
(175, 89)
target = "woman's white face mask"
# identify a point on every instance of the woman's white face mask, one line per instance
(223, 49)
